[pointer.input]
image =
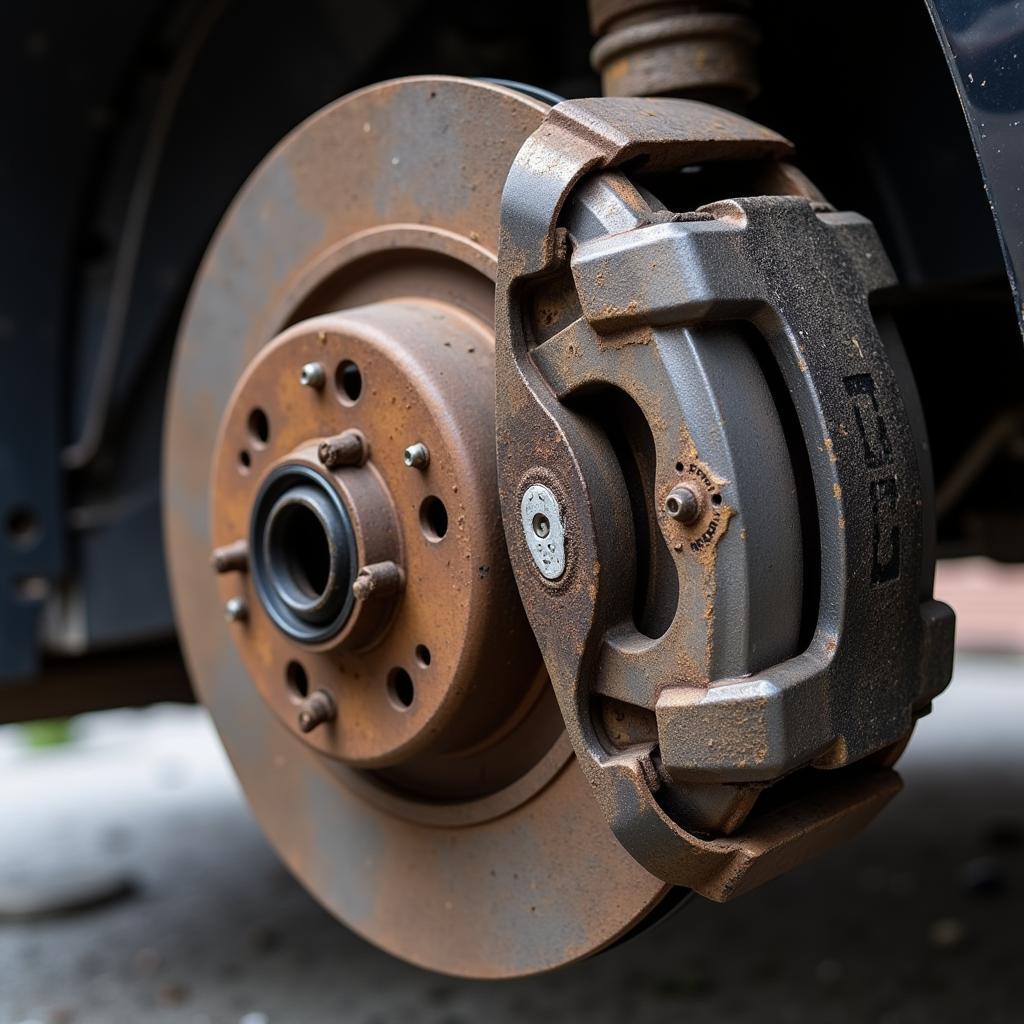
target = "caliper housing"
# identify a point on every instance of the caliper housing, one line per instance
(715, 486)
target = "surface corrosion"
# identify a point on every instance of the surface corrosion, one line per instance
(480, 852)
(703, 50)
(602, 410)
(455, 828)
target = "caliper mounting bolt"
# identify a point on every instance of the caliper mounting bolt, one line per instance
(417, 456)
(684, 504)
(317, 708)
(313, 375)
(347, 449)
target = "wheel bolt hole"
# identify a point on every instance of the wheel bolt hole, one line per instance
(259, 426)
(297, 681)
(433, 518)
(348, 381)
(401, 691)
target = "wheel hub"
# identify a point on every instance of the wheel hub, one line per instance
(303, 553)
(374, 579)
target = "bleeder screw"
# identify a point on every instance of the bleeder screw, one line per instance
(684, 504)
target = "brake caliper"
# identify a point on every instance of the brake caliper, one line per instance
(715, 486)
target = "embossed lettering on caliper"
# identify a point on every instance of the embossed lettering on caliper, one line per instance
(884, 489)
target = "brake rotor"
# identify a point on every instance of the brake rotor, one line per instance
(363, 650)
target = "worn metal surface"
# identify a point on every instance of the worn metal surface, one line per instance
(407, 756)
(515, 871)
(401, 614)
(726, 691)
(699, 50)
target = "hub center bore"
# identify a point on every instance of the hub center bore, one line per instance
(303, 554)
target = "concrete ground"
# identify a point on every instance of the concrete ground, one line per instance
(919, 920)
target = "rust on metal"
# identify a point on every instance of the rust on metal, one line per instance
(233, 557)
(384, 699)
(421, 540)
(621, 343)
(463, 803)
(317, 709)
(381, 579)
(347, 449)
(702, 50)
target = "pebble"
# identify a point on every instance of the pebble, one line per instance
(65, 891)
(172, 994)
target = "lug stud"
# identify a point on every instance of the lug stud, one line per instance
(317, 708)
(236, 610)
(417, 456)
(313, 375)
(347, 449)
(684, 504)
(232, 557)
(378, 580)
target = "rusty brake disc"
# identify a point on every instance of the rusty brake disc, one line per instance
(361, 645)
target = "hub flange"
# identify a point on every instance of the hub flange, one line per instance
(369, 579)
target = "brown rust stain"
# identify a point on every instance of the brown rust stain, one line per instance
(613, 341)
